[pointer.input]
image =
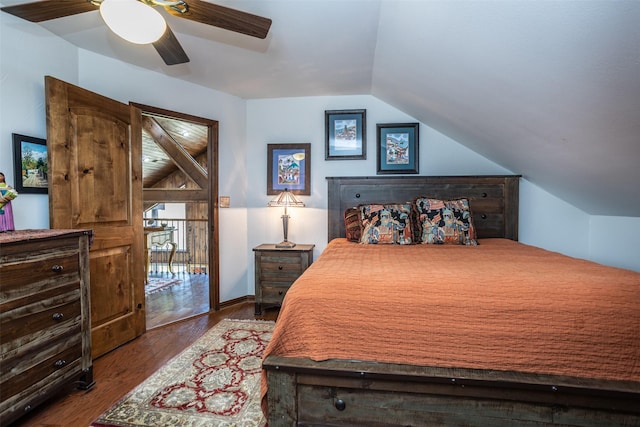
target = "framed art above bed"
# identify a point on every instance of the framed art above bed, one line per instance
(345, 134)
(289, 168)
(397, 148)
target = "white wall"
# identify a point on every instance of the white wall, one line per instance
(615, 241)
(550, 223)
(27, 54)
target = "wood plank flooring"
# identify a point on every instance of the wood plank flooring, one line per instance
(119, 371)
(186, 299)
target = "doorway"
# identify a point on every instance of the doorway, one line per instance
(179, 164)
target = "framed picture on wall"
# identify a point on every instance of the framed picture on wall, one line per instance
(397, 148)
(289, 167)
(345, 134)
(31, 166)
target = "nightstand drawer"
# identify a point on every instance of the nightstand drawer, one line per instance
(280, 266)
(273, 294)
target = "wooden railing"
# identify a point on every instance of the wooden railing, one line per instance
(192, 249)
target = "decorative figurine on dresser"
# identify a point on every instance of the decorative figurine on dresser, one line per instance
(45, 333)
(7, 194)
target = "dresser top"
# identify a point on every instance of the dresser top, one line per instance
(22, 235)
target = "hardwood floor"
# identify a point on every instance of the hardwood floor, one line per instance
(186, 299)
(119, 371)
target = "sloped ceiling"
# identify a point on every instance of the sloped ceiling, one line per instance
(547, 89)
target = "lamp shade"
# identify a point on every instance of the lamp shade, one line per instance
(133, 21)
(286, 199)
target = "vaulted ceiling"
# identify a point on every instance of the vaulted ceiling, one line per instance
(547, 89)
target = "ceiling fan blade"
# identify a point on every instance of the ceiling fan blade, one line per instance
(170, 49)
(225, 17)
(49, 9)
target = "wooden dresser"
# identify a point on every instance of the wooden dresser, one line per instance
(45, 328)
(276, 269)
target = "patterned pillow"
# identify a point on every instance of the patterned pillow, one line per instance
(444, 221)
(386, 224)
(352, 224)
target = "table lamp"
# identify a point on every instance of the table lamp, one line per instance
(285, 199)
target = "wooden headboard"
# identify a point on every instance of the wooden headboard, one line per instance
(493, 198)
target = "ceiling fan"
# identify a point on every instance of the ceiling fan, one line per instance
(167, 45)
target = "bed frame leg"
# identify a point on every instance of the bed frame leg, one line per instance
(281, 398)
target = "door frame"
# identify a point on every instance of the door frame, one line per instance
(212, 196)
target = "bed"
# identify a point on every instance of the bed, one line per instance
(498, 333)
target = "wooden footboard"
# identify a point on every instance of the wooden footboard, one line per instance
(304, 392)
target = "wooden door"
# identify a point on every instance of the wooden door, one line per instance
(95, 182)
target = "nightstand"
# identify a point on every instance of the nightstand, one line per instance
(276, 269)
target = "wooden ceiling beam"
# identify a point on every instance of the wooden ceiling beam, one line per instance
(178, 195)
(183, 160)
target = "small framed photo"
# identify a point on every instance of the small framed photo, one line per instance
(31, 165)
(397, 148)
(289, 167)
(345, 134)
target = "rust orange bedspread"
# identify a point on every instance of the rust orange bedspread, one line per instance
(501, 305)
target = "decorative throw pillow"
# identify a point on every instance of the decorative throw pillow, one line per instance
(445, 221)
(352, 224)
(386, 224)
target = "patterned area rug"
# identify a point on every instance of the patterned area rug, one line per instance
(214, 382)
(159, 283)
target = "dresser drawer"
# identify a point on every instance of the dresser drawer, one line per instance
(23, 324)
(58, 358)
(36, 275)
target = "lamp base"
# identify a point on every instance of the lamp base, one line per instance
(285, 244)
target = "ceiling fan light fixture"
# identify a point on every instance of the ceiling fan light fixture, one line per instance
(132, 20)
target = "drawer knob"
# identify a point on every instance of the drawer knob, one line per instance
(280, 292)
(57, 268)
(60, 363)
(483, 216)
(340, 405)
(58, 316)
(27, 408)
(279, 267)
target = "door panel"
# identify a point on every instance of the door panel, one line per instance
(95, 164)
(95, 171)
(104, 308)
